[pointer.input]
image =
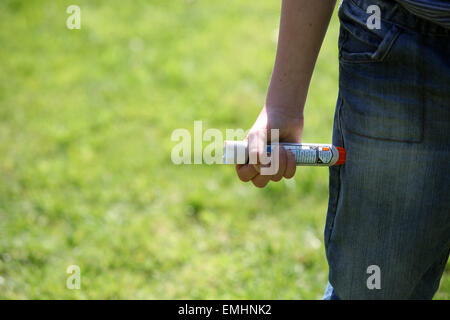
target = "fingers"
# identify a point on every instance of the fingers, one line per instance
(291, 165)
(282, 161)
(260, 181)
(261, 168)
(286, 168)
(246, 172)
(257, 147)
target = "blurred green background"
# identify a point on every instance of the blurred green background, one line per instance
(86, 176)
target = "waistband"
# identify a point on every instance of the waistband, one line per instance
(395, 13)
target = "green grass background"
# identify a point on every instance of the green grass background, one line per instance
(86, 176)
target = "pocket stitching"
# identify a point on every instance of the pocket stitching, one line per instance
(394, 33)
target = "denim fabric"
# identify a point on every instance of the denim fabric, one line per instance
(330, 294)
(437, 11)
(389, 205)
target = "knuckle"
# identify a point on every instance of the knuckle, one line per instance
(242, 177)
(259, 183)
(256, 184)
(290, 172)
(277, 178)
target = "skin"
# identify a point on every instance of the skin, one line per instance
(303, 26)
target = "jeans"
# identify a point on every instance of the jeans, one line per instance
(387, 232)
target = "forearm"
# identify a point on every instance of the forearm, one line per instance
(302, 29)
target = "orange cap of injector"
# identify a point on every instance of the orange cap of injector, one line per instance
(342, 156)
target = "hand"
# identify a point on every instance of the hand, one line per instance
(290, 130)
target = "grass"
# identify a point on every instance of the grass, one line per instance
(86, 178)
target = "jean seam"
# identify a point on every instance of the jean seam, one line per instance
(387, 48)
(441, 263)
(422, 86)
(338, 173)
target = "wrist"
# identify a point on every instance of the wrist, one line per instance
(294, 112)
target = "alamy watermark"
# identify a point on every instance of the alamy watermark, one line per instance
(189, 148)
(374, 280)
(73, 281)
(74, 20)
(374, 20)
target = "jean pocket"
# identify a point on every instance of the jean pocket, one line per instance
(386, 100)
(358, 43)
(381, 79)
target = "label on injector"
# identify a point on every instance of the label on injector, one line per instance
(306, 154)
(309, 154)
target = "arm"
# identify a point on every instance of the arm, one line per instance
(302, 29)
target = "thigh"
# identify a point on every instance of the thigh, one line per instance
(392, 211)
(389, 204)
